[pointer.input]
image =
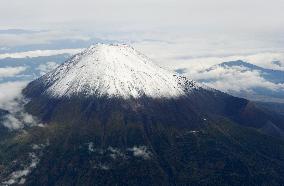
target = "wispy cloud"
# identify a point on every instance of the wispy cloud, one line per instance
(38, 53)
(141, 151)
(202, 15)
(202, 51)
(265, 60)
(193, 55)
(10, 38)
(11, 71)
(9, 92)
(12, 100)
(236, 80)
(44, 68)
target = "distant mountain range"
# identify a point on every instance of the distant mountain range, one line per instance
(239, 67)
(275, 76)
(110, 116)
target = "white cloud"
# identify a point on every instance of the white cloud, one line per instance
(238, 16)
(11, 99)
(11, 71)
(237, 80)
(264, 60)
(38, 53)
(141, 151)
(44, 68)
(18, 177)
(203, 51)
(9, 92)
(11, 122)
(38, 37)
(116, 153)
(195, 55)
(19, 120)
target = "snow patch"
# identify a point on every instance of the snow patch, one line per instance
(114, 71)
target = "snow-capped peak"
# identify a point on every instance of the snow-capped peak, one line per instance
(113, 71)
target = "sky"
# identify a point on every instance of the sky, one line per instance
(113, 15)
(202, 27)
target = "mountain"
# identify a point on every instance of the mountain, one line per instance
(275, 76)
(115, 77)
(266, 91)
(113, 71)
(110, 116)
(274, 107)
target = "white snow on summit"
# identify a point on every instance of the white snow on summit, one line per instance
(113, 71)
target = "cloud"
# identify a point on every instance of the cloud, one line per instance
(10, 38)
(267, 60)
(236, 80)
(9, 92)
(12, 122)
(11, 71)
(202, 51)
(44, 68)
(141, 151)
(38, 53)
(116, 153)
(93, 14)
(262, 59)
(19, 176)
(12, 100)
(193, 55)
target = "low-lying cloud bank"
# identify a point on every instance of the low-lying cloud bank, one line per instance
(14, 77)
(270, 60)
(12, 100)
(9, 93)
(202, 50)
(39, 53)
(11, 71)
(193, 56)
(235, 80)
(48, 66)
(19, 37)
